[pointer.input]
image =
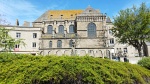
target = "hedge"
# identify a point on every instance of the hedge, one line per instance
(28, 69)
(145, 62)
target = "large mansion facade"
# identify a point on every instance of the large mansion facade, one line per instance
(71, 32)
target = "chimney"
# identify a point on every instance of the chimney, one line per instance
(17, 22)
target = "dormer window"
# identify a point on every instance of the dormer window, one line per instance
(61, 16)
(51, 16)
(71, 15)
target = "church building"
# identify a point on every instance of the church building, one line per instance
(71, 32)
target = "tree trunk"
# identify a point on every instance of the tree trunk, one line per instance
(139, 51)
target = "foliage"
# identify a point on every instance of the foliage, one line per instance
(132, 26)
(6, 41)
(145, 62)
(27, 69)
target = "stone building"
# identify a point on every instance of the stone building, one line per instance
(71, 32)
(78, 32)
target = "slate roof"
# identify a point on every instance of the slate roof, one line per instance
(59, 15)
(108, 20)
(89, 11)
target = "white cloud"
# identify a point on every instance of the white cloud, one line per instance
(24, 10)
(18, 9)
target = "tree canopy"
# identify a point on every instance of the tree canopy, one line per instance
(132, 26)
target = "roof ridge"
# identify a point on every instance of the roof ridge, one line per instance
(65, 10)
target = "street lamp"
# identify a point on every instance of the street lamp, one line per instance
(73, 48)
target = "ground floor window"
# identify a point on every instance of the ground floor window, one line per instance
(34, 44)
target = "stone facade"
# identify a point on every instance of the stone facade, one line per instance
(73, 32)
(97, 45)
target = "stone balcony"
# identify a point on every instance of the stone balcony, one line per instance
(59, 35)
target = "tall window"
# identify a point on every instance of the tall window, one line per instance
(17, 46)
(49, 29)
(71, 29)
(125, 50)
(59, 44)
(50, 44)
(33, 44)
(91, 30)
(70, 43)
(111, 41)
(34, 35)
(61, 29)
(110, 32)
(18, 35)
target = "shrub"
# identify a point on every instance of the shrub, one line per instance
(27, 69)
(145, 62)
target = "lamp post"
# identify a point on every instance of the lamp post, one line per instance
(73, 49)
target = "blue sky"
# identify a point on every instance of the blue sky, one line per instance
(30, 10)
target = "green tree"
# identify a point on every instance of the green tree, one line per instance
(132, 26)
(7, 43)
(145, 62)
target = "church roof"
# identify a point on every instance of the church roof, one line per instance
(59, 15)
(89, 11)
(108, 20)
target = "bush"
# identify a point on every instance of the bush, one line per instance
(145, 62)
(27, 69)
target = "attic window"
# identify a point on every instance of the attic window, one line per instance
(90, 10)
(71, 14)
(51, 16)
(61, 16)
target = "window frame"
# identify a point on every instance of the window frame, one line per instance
(50, 44)
(125, 50)
(59, 44)
(17, 46)
(70, 43)
(91, 30)
(49, 29)
(34, 35)
(110, 32)
(61, 29)
(111, 41)
(71, 29)
(18, 35)
(33, 44)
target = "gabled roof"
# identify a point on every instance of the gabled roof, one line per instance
(108, 20)
(89, 11)
(59, 15)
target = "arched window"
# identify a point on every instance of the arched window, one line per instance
(59, 44)
(50, 44)
(91, 30)
(71, 29)
(70, 43)
(49, 29)
(61, 29)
